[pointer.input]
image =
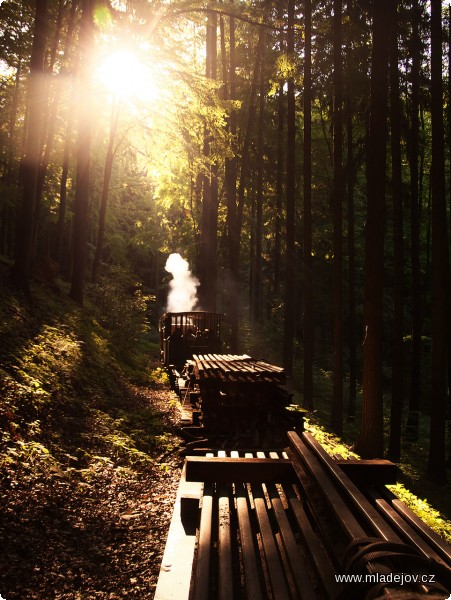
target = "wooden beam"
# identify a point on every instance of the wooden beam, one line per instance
(176, 566)
(238, 470)
(202, 567)
(248, 546)
(277, 576)
(308, 449)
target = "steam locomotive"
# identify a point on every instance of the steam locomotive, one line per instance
(183, 334)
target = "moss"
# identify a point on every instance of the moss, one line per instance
(421, 507)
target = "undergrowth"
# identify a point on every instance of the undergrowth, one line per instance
(67, 387)
(421, 507)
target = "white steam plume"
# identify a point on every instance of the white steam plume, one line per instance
(183, 287)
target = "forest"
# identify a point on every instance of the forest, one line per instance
(296, 154)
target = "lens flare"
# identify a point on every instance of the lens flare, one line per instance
(124, 75)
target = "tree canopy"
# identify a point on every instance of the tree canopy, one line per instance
(297, 154)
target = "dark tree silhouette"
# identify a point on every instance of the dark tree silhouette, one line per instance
(25, 221)
(209, 220)
(231, 193)
(257, 300)
(289, 317)
(440, 261)
(307, 173)
(350, 185)
(338, 193)
(415, 373)
(370, 442)
(81, 204)
(107, 171)
(397, 390)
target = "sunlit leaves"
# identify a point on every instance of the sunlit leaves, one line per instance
(102, 16)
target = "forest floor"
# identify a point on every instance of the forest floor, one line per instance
(94, 530)
(89, 452)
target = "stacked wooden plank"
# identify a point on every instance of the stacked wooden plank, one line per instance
(291, 524)
(240, 398)
(235, 369)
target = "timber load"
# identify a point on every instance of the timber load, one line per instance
(228, 400)
(241, 399)
(230, 368)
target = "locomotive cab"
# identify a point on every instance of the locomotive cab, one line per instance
(183, 334)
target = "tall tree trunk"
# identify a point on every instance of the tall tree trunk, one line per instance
(290, 288)
(11, 171)
(352, 328)
(257, 280)
(415, 373)
(30, 166)
(235, 212)
(280, 175)
(245, 163)
(350, 183)
(81, 205)
(214, 196)
(308, 324)
(440, 261)
(280, 171)
(10, 175)
(62, 208)
(58, 245)
(205, 180)
(231, 192)
(449, 231)
(225, 74)
(208, 231)
(449, 118)
(108, 169)
(48, 122)
(397, 391)
(370, 442)
(337, 397)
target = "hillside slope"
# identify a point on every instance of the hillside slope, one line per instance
(89, 456)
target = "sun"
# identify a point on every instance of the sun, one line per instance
(125, 76)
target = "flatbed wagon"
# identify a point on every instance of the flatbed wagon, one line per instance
(297, 524)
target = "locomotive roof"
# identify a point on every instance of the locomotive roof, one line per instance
(192, 312)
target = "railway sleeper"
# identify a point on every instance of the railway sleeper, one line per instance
(288, 524)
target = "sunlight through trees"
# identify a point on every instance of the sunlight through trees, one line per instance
(296, 153)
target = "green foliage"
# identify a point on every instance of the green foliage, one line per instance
(46, 363)
(123, 307)
(424, 510)
(159, 375)
(421, 507)
(328, 440)
(68, 406)
(287, 66)
(123, 450)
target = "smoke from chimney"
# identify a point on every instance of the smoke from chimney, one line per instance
(183, 287)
